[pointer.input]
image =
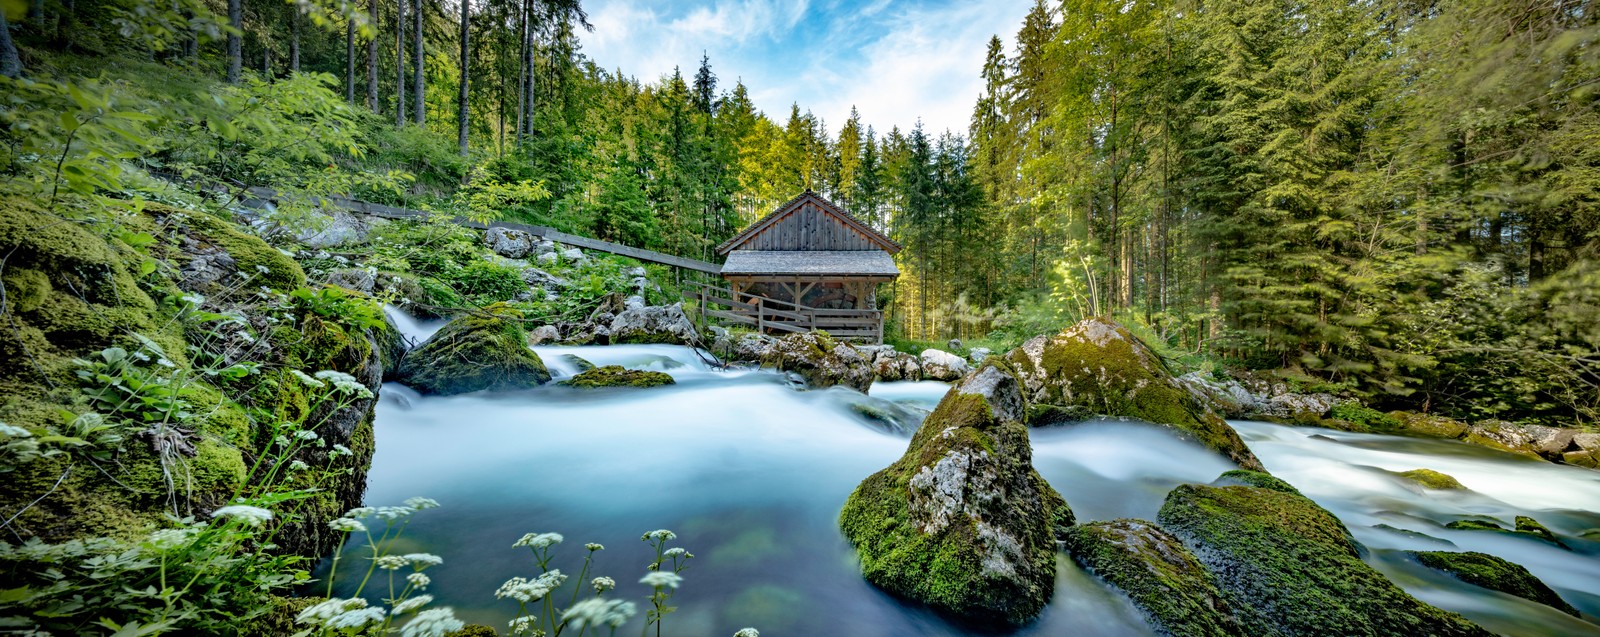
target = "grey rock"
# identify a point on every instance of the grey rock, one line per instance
(354, 279)
(543, 334)
(978, 354)
(512, 244)
(335, 229)
(942, 365)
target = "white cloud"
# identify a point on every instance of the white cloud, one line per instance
(896, 63)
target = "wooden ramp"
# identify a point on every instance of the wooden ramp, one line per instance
(769, 315)
(259, 197)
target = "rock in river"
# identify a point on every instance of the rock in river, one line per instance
(962, 522)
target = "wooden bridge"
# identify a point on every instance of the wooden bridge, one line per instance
(766, 314)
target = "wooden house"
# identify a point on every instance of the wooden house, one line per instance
(808, 265)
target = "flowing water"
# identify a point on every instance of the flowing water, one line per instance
(751, 473)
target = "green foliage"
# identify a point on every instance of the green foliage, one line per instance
(338, 304)
(484, 200)
(1364, 417)
(140, 387)
(484, 282)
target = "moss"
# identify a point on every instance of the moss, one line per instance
(1288, 567)
(279, 619)
(1052, 415)
(483, 350)
(942, 564)
(619, 376)
(1432, 479)
(253, 256)
(1493, 573)
(218, 417)
(1412, 423)
(1155, 570)
(1532, 527)
(577, 361)
(1260, 480)
(1366, 418)
(473, 630)
(1475, 525)
(1101, 366)
(1525, 527)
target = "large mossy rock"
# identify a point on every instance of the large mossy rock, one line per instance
(1154, 569)
(482, 350)
(821, 360)
(1288, 567)
(1493, 573)
(618, 376)
(962, 522)
(1100, 365)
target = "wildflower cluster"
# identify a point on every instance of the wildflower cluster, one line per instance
(404, 596)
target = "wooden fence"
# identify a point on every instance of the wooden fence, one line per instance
(772, 315)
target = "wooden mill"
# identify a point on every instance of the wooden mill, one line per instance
(806, 265)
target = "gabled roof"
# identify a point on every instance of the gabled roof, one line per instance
(888, 245)
(872, 263)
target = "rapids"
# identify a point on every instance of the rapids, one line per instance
(751, 474)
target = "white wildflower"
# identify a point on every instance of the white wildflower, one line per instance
(419, 581)
(252, 516)
(677, 552)
(432, 623)
(594, 547)
(262, 269)
(602, 584)
(323, 611)
(392, 562)
(360, 512)
(341, 450)
(422, 504)
(166, 363)
(525, 626)
(298, 466)
(525, 590)
(306, 380)
(661, 579)
(347, 525)
(354, 619)
(599, 612)
(660, 535)
(747, 632)
(306, 434)
(12, 431)
(423, 560)
(393, 513)
(281, 441)
(411, 604)
(344, 383)
(538, 540)
(170, 538)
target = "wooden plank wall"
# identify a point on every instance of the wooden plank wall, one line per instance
(809, 228)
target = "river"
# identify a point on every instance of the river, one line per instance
(751, 473)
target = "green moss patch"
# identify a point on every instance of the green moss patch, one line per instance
(1493, 573)
(618, 376)
(482, 350)
(1155, 570)
(1432, 479)
(1288, 567)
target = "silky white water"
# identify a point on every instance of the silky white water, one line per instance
(751, 473)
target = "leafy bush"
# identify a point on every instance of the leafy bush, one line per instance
(1365, 417)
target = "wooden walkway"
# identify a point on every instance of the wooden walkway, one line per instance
(259, 197)
(772, 315)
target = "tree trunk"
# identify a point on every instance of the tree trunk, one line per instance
(372, 58)
(400, 60)
(522, 70)
(235, 59)
(350, 61)
(466, 73)
(294, 40)
(419, 58)
(10, 61)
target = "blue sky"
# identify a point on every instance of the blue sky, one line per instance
(896, 60)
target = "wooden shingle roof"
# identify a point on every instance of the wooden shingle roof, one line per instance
(873, 238)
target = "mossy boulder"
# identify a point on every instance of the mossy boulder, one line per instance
(1257, 479)
(619, 376)
(198, 233)
(1056, 415)
(1493, 573)
(1525, 526)
(1428, 425)
(1288, 567)
(1158, 573)
(1432, 479)
(821, 360)
(486, 349)
(962, 522)
(1100, 365)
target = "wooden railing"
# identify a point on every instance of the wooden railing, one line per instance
(772, 315)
